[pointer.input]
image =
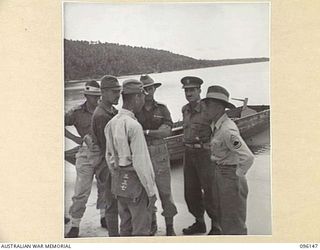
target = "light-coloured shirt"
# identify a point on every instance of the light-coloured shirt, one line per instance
(126, 145)
(228, 147)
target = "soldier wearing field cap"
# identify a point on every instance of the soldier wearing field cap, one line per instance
(110, 94)
(133, 181)
(233, 159)
(198, 168)
(156, 121)
(80, 117)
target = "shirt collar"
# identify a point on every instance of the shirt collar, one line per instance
(127, 112)
(197, 107)
(218, 124)
(112, 111)
(154, 105)
(85, 108)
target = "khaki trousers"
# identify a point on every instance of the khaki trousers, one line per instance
(232, 192)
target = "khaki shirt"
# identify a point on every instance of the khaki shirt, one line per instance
(196, 125)
(101, 116)
(80, 117)
(228, 147)
(155, 117)
(126, 145)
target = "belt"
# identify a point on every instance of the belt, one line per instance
(226, 166)
(205, 145)
(128, 167)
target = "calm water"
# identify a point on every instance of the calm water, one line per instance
(246, 80)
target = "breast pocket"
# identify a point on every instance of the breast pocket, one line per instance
(201, 130)
(158, 119)
(217, 148)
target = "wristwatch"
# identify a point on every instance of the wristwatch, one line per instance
(147, 132)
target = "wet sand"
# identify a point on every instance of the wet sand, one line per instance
(258, 210)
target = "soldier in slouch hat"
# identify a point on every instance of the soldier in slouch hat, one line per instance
(156, 121)
(233, 159)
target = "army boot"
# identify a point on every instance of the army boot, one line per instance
(154, 226)
(103, 222)
(199, 227)
(169, 226)
(215, 229)
(73, 233)
(66, 220)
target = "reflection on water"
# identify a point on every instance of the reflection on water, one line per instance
(260, 149)
(260, 143)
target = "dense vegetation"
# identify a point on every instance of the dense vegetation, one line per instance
(90, 60)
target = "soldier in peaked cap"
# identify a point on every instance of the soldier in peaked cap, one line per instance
(127, 155)
(156, 121)
(198, 168)
(233, 159)
(80, 117)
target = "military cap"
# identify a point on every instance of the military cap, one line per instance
(191, 82)
(132, 86)
(148, 81)
(110, 82)
(92, 88)
(219, 93)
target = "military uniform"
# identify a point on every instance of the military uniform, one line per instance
(80, 117)
(100, 118)
(233, 158)
(198, 168)
(151, 120)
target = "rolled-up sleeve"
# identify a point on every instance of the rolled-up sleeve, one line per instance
(69, 118)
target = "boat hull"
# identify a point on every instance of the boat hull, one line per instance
(249, 126)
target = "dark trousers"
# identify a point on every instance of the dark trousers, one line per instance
(199, 179)
(232, 193)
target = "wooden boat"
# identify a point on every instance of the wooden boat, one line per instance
(250, 119)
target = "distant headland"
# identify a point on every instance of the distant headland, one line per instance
(91, 60)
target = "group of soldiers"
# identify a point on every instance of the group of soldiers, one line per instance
(127, 153)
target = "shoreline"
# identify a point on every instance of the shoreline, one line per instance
(71, 82)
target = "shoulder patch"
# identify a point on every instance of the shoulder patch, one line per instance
(235, 141)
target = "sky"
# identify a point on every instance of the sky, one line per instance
(199, 30)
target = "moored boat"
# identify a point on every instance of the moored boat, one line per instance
(250, 119)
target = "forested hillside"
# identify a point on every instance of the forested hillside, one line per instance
(90, 60)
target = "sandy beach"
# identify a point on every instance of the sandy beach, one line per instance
(258, 210)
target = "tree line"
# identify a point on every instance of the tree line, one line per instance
(92, 60)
